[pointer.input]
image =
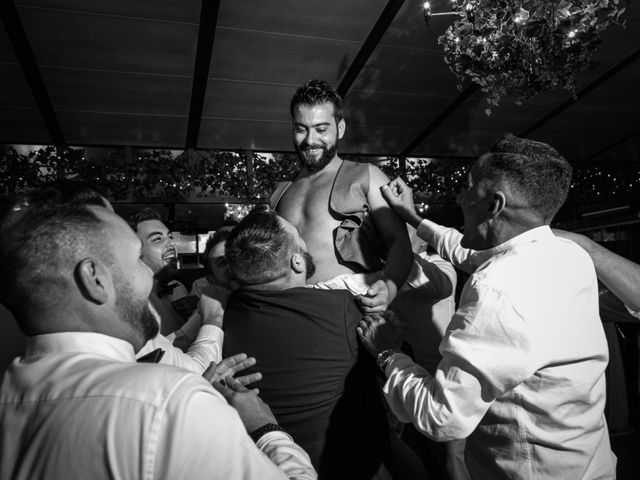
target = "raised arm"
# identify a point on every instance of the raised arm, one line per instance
(618, 274)
(206, 348)
(445, 240)
(395, 237)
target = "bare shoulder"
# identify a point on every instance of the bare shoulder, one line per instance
(377, 177)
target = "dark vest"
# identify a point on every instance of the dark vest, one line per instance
(356, 239)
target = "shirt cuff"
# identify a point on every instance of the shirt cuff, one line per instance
(210, 332)
(397, 361)
(428, 231)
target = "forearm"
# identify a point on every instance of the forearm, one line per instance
(397, 267)
(415, 396)
(186, 335)
(446, 242)
(287, 455)
(207, 347)
(618, 274)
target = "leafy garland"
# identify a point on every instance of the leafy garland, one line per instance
(224, 175)
(520, 48)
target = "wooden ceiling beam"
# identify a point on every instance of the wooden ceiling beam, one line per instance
(446, 113)
(206, 37)
(370, 44)
(583, 92)
(13, 24)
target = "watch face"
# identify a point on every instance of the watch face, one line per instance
(383, 358)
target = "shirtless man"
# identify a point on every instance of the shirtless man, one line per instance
(356, 240)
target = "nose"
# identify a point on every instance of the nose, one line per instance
(310, 137)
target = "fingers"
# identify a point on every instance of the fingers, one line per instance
(242, 365)
(233, 360)
(223, 389)
(249, 379)
(376, 298)
(363, 328)
(210, 372)
(236, 363)
(373, 309)
(395, 188)
(372, 305)
(377, 288)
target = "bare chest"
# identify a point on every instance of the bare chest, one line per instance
(305, 204)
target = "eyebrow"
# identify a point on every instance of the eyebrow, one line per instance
(313, 125)
(157, 232)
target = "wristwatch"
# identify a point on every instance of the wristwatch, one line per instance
(384, 357)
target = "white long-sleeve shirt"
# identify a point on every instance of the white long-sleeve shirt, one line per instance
(522, 373)
(77, 406)
(205, 349)
(205, 346)
(446, 241)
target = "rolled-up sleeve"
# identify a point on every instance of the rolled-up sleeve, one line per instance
(488, 349)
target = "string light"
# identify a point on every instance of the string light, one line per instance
(161, 174)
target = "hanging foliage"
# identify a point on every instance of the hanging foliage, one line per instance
(521, 48)
(224, 174)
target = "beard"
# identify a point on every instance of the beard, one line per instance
(309, 264)
(135, 312)
(312, 164)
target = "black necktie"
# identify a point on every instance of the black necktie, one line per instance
(152, 357)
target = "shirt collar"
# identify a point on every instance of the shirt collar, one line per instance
(529, 236)
(80, 342)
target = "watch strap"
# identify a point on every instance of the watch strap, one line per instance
(269, 427)
(384, 357)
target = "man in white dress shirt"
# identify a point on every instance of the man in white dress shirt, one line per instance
(169, 297)
(77, 405)
(516, 379)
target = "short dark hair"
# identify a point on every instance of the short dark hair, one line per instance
(316, 92)
(535, 169)
(258, 249)
(142, 215)
(220, 235)
(41, 238)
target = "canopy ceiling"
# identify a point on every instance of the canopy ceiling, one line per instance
(219, 74)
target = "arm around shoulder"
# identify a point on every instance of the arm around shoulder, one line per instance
(618, 274)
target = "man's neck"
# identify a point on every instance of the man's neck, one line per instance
(276, 285)
(506, 230)
(330, 167)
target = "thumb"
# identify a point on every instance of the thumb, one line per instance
(387, 192)
(375, 289)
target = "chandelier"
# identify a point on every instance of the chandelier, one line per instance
(521, 48)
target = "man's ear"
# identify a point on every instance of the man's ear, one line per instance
(498, 203)
(93, 280)
(297, 263)
(342, 126)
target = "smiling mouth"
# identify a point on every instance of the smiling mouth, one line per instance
(314, 150)
(170, 256)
